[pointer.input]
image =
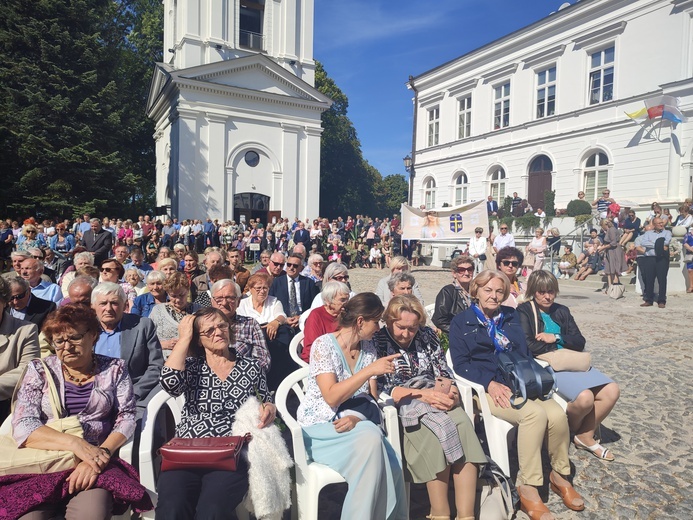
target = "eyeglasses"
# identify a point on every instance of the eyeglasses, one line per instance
(292, 265)
(223, 327)
(462, 270)
(18, 297)
(508, 263)
(108, 269)
(341, 278)
(61, 343)
(277, 264)
(222, 299)
(260, 289)
(504, 229)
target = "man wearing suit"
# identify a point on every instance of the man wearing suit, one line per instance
(98, 241)
(24, 306)
(296, 292)
(301, 236)
(491, 207)
(129, 337)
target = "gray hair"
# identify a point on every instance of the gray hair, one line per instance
(18, 280)
(220, 284)
(314, 258)
(84, 254)
(134, 270)
(83, 280)
(334, 269)
(20, 254)
(156, 276)
(331, 289)
(178, 247)
(106, 289)
(400, 277)
(94, 220)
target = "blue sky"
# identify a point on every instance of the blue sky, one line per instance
(370, 47)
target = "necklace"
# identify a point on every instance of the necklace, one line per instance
(76, 380)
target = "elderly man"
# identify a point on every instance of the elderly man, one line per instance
(264, 263)
(241, 273)
(301, 235)
(276, 265)
(79, 290)
(25, 306)
(504, 239)
(98, 241)
(653, 245)
(31, 270)
(295, 291)
(17, 258)
(201, 283)
(122, 254)
(250, 341)
(129, 337)
(18, 345)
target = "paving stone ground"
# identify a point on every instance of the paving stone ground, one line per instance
(649, 352)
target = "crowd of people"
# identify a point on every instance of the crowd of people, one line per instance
(111, 316)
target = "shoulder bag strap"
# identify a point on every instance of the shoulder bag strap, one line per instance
(536, 317)
(54, 396)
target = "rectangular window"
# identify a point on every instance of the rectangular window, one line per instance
(498, 192)
(433, 123)
(546, 92)
(430, 198)
(595, 183)
(460, 195)
(250, 24)
(602, 76)
(465, 118)
(501, 109)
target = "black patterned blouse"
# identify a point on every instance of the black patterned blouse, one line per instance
(424, 356)
(210, 403)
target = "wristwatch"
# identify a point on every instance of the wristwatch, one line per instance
(558, 338)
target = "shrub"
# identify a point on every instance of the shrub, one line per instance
(526, 222)
(549, 204)
(579, 207)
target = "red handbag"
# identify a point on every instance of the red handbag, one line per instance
(214, 453)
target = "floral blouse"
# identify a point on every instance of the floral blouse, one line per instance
(210, 403)
(424, 356)
(111, 406)
(326, 357)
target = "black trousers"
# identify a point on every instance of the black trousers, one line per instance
(200, 494)
(654, 269)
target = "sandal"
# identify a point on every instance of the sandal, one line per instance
(604, 455)
(534, 510)
(567, 494)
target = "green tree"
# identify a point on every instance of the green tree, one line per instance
(395, 190)
(74, 76)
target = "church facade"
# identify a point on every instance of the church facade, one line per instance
(237, 115)
(545, 108)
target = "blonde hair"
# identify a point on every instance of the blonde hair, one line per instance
(399, 261)
(166, 261)
(484, 277)
(404, 303)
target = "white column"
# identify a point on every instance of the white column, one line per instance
(291, 167)
(674, 177)
(216, 167)
(192, 186)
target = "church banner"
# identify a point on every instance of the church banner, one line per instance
(444, 225)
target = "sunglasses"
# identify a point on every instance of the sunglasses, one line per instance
(341, 278)
(504, 229)
(108, 269)
(462, 270)
(18, 297)
(293, 266)
(277, 264)
(508, 263)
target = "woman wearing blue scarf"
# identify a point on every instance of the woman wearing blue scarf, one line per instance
(476, 336)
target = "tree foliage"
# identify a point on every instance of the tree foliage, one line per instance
(348, 183)
(74, 76)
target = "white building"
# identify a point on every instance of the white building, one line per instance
(544, 108)
(237, 116)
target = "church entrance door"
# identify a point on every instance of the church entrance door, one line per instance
(250, 205)
(540, 180)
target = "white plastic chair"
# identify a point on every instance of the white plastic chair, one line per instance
(294, 347)
(430, 309)
(562, 402)
(496, 429)
(311, 476)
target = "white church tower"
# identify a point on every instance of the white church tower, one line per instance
(237, 117)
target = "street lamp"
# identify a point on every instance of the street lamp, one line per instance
(407, 163)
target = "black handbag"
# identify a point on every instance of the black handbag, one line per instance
(526, 378)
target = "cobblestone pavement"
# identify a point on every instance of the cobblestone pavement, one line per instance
(650, 432)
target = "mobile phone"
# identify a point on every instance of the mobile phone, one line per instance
(442, 385)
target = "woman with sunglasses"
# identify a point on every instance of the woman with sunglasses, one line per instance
(508, 261)
(62, 241)
(113, 271)
(454, 298)
(29, 238)
(477, 249)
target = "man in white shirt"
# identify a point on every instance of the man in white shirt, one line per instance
(31, 270)
(505, 239)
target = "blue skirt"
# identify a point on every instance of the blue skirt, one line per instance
(571, 384)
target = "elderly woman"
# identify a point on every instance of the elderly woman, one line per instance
(20, 345)
(167, 316)
(29, 238)
(412, 386)
(508, 261)
(135, 279)
(168, 266)
(549, 327)
(144, 303)
(95, 389)
(614, 257)
(324, 319)
(477, 248)
(397, 265)
(315, 264)
(113, 271)
(476, 337)
(343, 365)
(200, 360)
(454, 298)
(401, 283)
(334, 271)
(537, 247)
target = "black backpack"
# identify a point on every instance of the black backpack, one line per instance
(525, 377)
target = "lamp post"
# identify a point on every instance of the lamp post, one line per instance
(408, 167)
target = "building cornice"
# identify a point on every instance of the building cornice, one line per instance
(463, 88)
(544, 57)
(500, 73)
(683, 5)
(431, 99)
(600, 36)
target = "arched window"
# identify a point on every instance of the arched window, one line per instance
(541, 163)
(430, 193)
(497, 185)
(459, 186)
(595, 175)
